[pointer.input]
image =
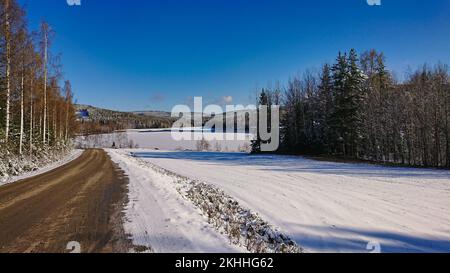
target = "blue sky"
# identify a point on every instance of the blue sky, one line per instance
(144, 54)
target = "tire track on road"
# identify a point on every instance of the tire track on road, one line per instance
(81, 201)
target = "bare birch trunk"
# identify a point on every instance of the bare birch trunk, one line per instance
(8, 71)
(31, 118)
(45, 85)
(66, 135)
(21, 114)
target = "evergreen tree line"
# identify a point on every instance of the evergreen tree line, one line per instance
(36, 113)
(355, 108)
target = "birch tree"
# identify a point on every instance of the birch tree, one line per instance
(68, 102)
(33, 112)
(45, 32)
(7, 33)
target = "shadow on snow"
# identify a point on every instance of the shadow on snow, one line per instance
(283, 163)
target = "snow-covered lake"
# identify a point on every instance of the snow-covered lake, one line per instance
(329, 207)
(161, 139)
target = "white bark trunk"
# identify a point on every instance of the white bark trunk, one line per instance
(55, 122)
(31, 118)
(8, 71)
(21, 115)
(66, 135)
(45, 86)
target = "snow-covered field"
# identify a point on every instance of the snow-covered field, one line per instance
(323, 206)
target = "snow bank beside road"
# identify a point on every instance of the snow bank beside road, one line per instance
(74, 154)
(159, 219)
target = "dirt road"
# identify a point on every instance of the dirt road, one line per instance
(81, 201)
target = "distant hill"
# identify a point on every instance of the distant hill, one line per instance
(160, 114)
(98, 120)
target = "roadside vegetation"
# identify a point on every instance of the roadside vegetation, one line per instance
(37, 117)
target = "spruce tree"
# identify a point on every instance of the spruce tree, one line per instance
(325, 105)
(354, 102)
(264, 100)
(338, 116)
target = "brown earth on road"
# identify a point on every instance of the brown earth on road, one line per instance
(81, 201)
